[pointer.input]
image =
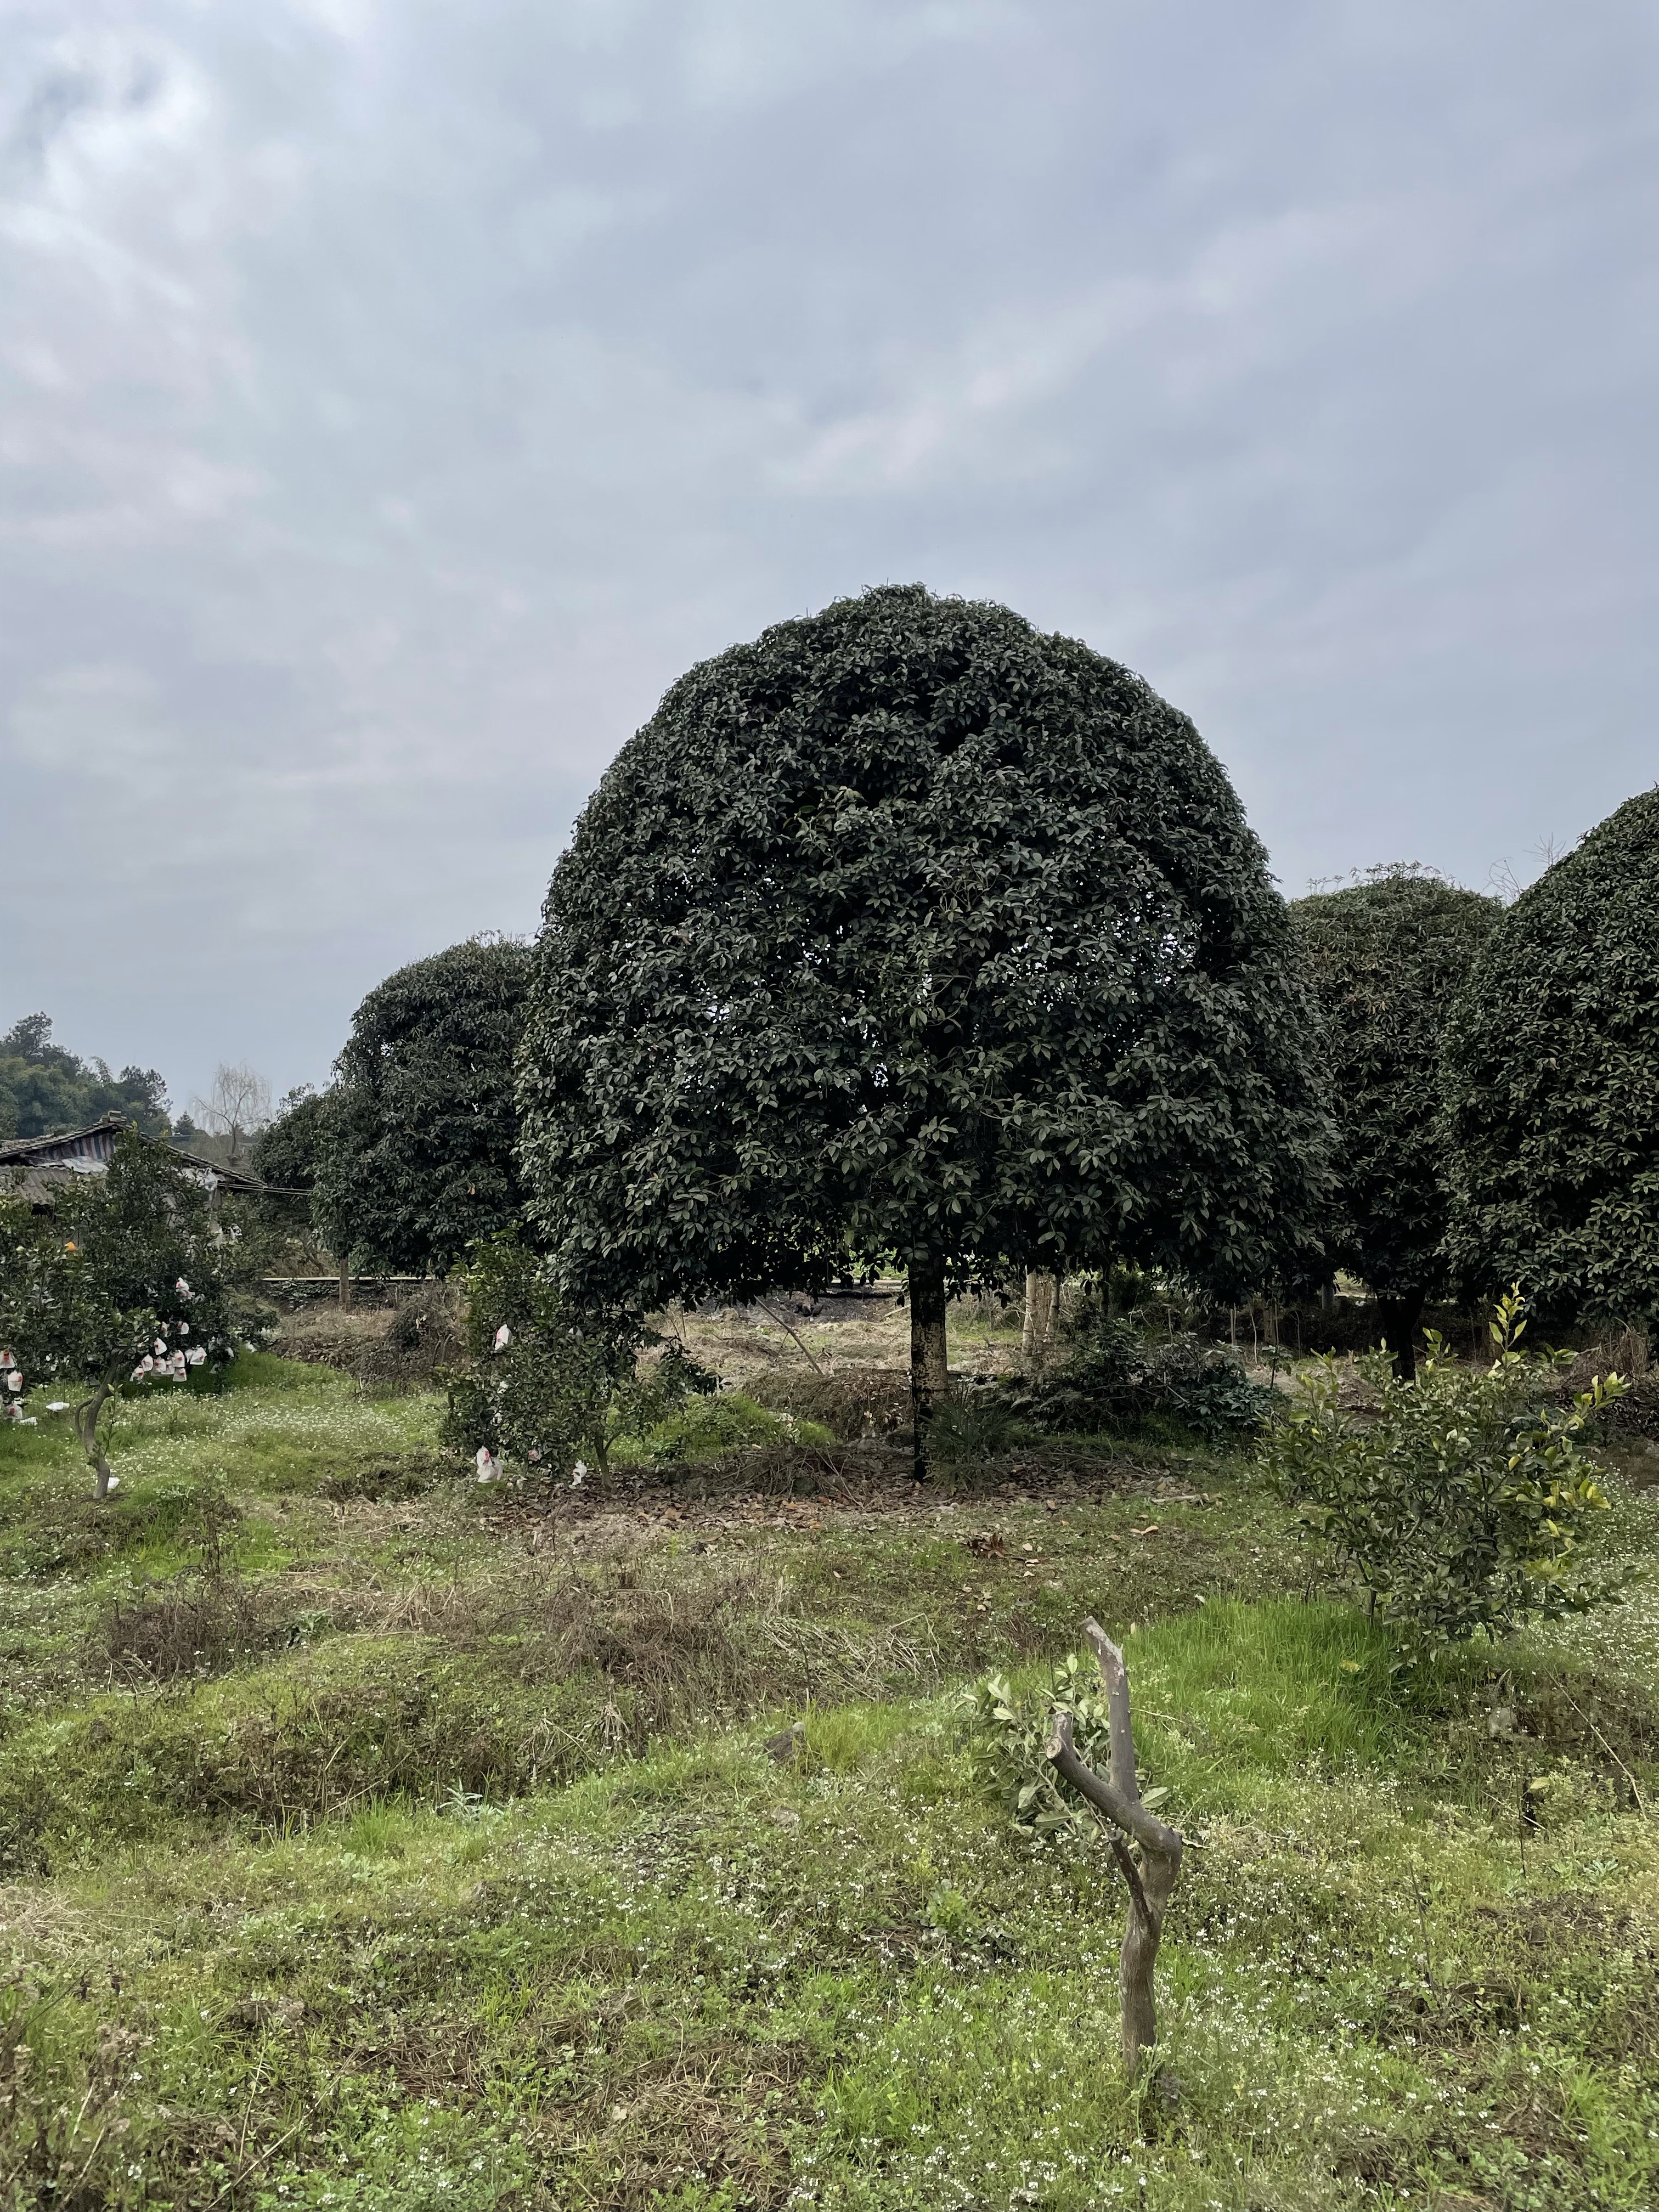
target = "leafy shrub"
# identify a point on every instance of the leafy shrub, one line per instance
(96, 1296)
(544, 1386)
(1115, 1378)
(413, 1153)
(1386, 958)
(1460, 1503)
(824, 979)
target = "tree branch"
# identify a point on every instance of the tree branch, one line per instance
(1128, 1814)
(1131, 1874)
(1120, 1731)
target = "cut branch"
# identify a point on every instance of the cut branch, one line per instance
(1116, 1797)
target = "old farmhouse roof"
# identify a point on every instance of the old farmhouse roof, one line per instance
(32, 1168)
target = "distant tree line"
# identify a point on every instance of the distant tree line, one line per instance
(44, 1087)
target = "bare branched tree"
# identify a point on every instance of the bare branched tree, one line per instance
(237, 1107)
(1152, 1868)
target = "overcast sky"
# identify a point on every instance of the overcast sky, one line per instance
(398, 394)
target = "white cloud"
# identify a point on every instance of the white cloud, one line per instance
(392, 401)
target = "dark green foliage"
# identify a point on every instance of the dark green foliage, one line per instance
(1552, 1085)
(123, 1263)
(288, 1152)
(44, 1089)
(1387, 958)
(1460, 1501)
(543, 1386)
(413, 1149)
(1115, 1377)
(906, 929)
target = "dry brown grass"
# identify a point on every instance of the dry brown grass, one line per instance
(733, 1638)
(397, 1348)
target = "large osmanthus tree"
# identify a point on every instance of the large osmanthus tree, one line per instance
(121, 1282)
(1552, 1085)
(1388, 958)
(909, 933)
(412, 1151)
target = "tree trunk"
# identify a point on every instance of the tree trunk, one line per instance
(1400, 1316)
(1042, 1305)
(345, 1285)
(929, 1369)
(86, 1429)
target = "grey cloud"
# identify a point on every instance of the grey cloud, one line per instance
(394, 398)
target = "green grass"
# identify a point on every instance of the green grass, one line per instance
(465, 1874)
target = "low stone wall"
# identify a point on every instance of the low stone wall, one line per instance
(370, 1293)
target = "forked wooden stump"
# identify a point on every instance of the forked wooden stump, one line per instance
(1147, 1851)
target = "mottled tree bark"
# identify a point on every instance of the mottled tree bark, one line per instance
(1042, 1305)
(1152, 1876)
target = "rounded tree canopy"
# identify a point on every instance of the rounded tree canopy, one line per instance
(1387, 958)
(286, 1152)
(415, 1157)
(1552, 1084)
(907, 931)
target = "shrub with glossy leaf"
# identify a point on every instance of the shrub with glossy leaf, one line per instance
(1460, 1502)
(908, 930)
(1115, 1377)
(1388, 958)
(1552, 1085)
(121, 1284)
(542, 1383)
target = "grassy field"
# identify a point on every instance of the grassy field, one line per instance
(369, 1839)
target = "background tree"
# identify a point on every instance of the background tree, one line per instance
(285, 1156)
(907, 931)
(1552, 1081)
(235, 1110)
(45, 1089)
(1388, 957)
(121, 1281)
(415, 1159)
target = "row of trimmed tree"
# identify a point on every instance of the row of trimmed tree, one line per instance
(906, 935)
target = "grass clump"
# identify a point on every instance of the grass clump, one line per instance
(711, 1427)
